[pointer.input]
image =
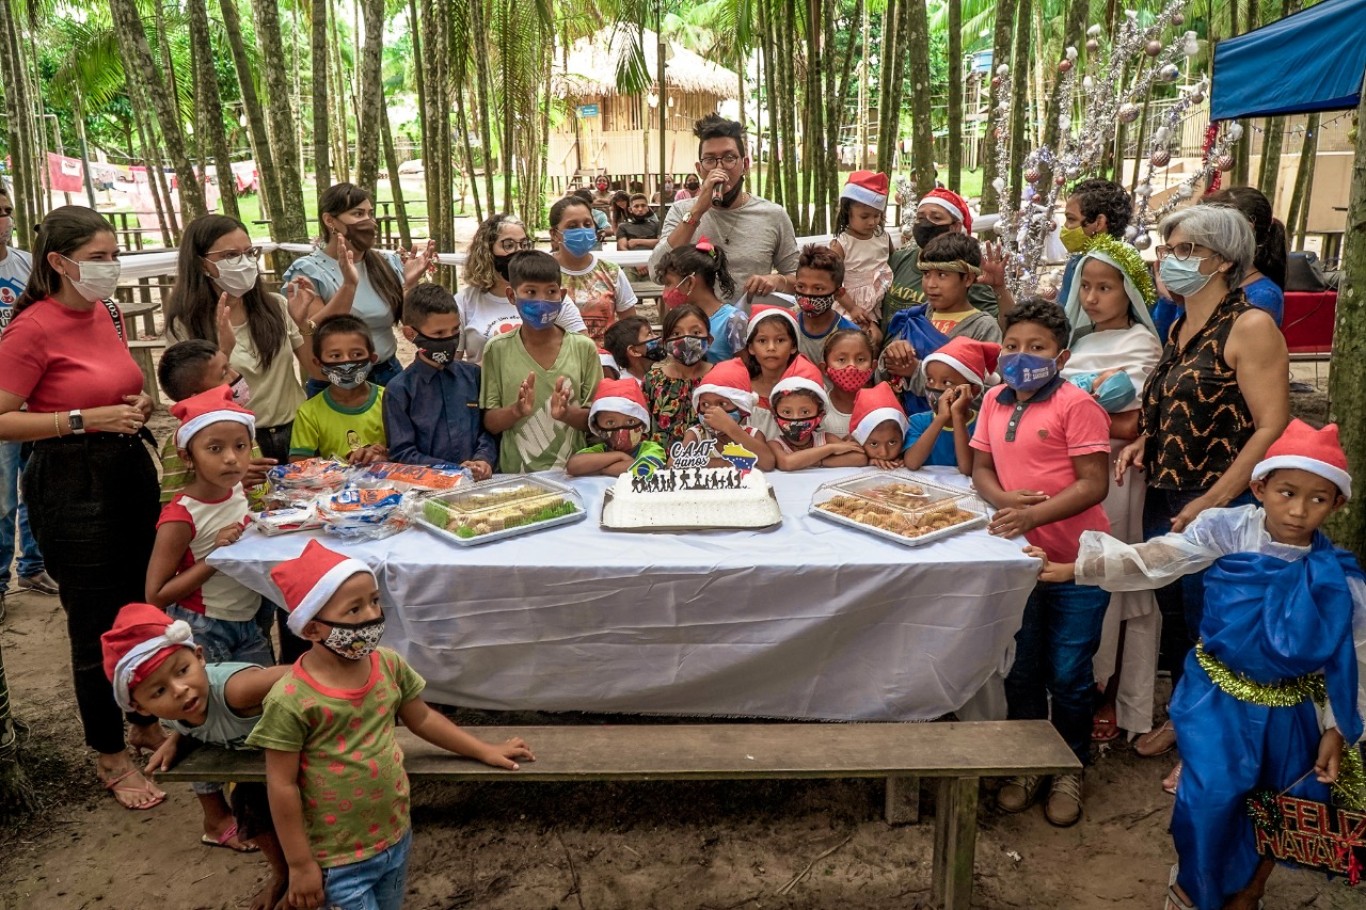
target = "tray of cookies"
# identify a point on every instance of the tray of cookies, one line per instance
(899, 506)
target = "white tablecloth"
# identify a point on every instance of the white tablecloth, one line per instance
(809, 620)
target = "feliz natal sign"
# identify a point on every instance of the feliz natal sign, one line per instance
(1310, 834)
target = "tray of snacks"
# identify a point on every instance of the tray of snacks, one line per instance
(898, 506)
(497, 509)
(371, 514)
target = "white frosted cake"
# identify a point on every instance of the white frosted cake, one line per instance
(692, 498)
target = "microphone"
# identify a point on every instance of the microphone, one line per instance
(718, 194)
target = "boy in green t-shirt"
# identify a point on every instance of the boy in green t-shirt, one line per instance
(538, 379)
(621, 420)
(334, 770)
(346, 421)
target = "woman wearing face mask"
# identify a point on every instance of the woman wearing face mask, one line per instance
(90, 484)
(697, 274)
(599, 288)
(218, 297)
(351, 277)
(483, 296)
(940, 212)
(1213, 405)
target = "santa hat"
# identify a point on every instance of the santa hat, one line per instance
(952, 203)
(309, 581)
(608, 361)
(868, 187)
(763, 311)
(971, 359)
(140, 641)
(621, 395)
(729, 379)
(872, 408)
(208, 407)
(1304, 448)
(801, 376)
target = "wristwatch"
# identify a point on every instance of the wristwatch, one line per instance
(76, 422)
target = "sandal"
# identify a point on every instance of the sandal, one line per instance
(1170, 782)
(113, 787)
(1157, 742)
(1103, 730)
(1174, 899)
(229, 834)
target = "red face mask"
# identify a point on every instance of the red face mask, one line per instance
(676, 296)
(850, 379)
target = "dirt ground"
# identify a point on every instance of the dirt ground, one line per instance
(594, 846)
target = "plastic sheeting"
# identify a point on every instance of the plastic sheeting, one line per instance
(810, 620)
(1311, 61)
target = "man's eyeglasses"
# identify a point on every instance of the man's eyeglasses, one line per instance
(509, 245)
(728, 160)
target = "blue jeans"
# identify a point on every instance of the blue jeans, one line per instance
(382, 374)
(223, 640)
(376, 883)
(14, 513)
(1181, 603)
(1053, 653)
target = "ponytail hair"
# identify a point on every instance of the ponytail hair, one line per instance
(1270, 256)
(340, 198)
(63, 231)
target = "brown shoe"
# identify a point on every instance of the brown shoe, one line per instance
(1156, 742)
(1063, 809)
(1018, 793)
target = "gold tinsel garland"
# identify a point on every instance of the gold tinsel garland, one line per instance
(1350, 788)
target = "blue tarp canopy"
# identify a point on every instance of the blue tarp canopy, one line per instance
(1310, 61)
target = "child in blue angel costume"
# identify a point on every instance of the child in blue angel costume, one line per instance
(1273, 689)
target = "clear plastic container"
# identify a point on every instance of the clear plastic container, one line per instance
(499, 509)
(899, 506)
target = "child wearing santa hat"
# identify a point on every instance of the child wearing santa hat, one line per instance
(157, 669)
(955, 376)
(621, 421)
(334, 771)
(1273, 689)
(799, 405)
(724, 402)
(862, 242)
(771, 353)
(879, 425)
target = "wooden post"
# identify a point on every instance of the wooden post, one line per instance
(901, 805)
(955, 842)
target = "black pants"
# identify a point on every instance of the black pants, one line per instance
(93, 505)
(274, 443)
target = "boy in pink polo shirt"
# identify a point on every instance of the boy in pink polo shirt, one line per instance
(1041, 458)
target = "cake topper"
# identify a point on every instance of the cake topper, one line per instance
(741, 458)
(690, 454)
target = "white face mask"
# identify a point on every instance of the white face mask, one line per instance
(98, 280)
(237, 275)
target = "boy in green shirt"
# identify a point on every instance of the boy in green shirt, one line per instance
(346, 421)
(538, 379)
(334, 770)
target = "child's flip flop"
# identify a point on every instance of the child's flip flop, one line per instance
(229, 833)
(113, 787)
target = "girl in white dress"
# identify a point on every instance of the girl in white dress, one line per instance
(862, 241)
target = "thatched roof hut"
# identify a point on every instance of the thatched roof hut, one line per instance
(608, 132)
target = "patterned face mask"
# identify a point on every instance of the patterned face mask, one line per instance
(797, 430)
(687, 349)
(849, 379)
(349, 375)
(626, 439)
(354, 640)
(816, 306)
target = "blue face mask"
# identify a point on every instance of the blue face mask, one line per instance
(539, 314)
(1026, 372)
(579, 240)
(1114, 394)
(1183, 278)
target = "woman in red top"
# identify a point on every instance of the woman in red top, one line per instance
(90, 484)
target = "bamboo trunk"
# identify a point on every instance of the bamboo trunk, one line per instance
(955, 150)
(210, 107)
(269, 184)
(322, 136)
(1308, 160)
(1000, 54)
(1019, 103)
(371, 98)
(289, 223)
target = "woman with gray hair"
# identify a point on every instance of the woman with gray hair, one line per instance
(1213, 405)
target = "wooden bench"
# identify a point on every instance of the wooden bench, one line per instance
(140, 309)
(144, 355)
(957, 755)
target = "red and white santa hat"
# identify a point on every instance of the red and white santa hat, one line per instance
(1306, 449)
(762, 311)
(208, 407)
(973, 360)
(140, 641)
(801, 375)
(309, 581)
(873, 407)
(729, 379)
(950, 202)
(608, 361)
(621, 395)
(868, 187)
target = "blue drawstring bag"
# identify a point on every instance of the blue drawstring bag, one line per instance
(913, 326)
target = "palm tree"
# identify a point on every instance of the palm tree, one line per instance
(922, 134)
(209, 106)
(1000, 54)
(955, 15)
(22, 144)
(322, 165)
(371, 96)
(271, 195)
(288, 222)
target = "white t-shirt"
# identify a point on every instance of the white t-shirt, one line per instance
(14, 272)
(484, 315)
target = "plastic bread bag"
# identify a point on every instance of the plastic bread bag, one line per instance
(406, 477)
(273, 522)
(298, 483)
(367, 514)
